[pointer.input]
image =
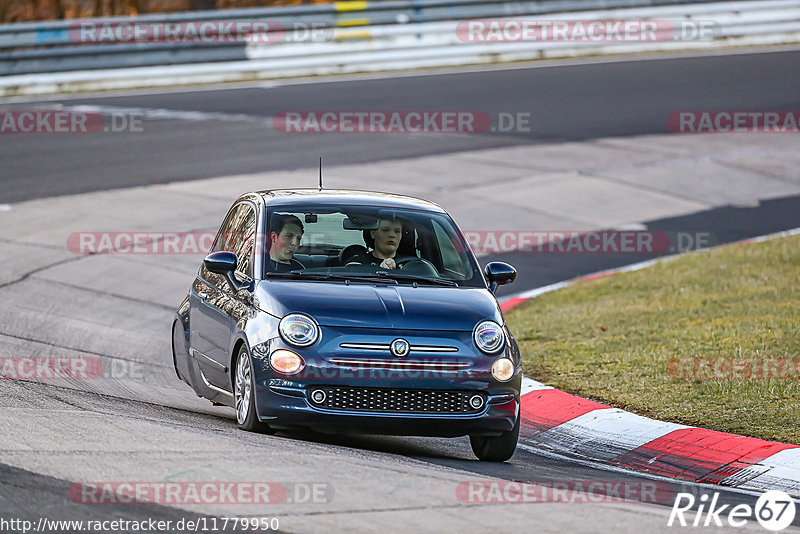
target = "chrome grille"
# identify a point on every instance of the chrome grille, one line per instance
(384, 347)
(395, 400)
(402, 364)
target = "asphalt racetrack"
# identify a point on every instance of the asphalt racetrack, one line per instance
(224, 132)
(153, 428)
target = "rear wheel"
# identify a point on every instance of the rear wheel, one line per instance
(244, 394)
(496, 448)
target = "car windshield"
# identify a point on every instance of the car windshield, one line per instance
(371, 244)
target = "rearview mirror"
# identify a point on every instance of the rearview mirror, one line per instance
(360, 222)
(499, 274)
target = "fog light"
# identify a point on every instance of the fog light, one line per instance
(286, 362)
(503, 369)
(476, 401)
(318, 396)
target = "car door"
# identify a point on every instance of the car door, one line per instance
(215, 308)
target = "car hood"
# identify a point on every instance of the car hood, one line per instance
(380, 306)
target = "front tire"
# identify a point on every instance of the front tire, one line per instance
(496, 448)
(178, 343)
(244, 394)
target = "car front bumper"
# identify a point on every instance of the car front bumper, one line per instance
(283, 401)
(283, 406)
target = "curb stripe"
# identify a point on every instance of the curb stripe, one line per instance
(696, 454)
(597, 432)
(529, 386)
(779, 471)
(547, 408)
(595, 276)
(510, 303)
(606, 434)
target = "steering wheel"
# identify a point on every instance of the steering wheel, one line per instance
(424, 268)
(347, 253)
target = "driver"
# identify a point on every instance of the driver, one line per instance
(387, 239)
(285, 234)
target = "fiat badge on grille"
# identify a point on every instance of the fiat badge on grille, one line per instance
(399, 347)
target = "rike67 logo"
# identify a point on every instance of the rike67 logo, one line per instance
(774, 510)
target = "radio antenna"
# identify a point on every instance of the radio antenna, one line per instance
(320, 173)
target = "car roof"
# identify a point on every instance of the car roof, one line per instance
(306, 197)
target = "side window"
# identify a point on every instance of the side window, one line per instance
(451, 260)
(237, 235)
(243, 238)
(224, 235)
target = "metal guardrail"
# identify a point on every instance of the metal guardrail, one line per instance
(355, 42)
(331, 15)
(760, 17)
(51, 46)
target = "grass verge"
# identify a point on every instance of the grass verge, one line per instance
(709, 339)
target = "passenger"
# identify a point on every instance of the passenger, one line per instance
(285, 234)
(386, 238)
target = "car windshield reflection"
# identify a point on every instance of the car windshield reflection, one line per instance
(345, 243)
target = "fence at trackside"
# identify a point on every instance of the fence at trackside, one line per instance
(355, 36)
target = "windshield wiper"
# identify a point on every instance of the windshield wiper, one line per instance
(416, 278)
(299, 274)
(359, 277)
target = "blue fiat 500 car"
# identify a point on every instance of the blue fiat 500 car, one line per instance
(351, 312)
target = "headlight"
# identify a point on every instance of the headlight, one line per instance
(503, 369)
(299, 330)
(489, 337)
(286, 362)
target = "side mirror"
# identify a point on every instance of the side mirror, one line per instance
(499, 274)
(224, 263)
